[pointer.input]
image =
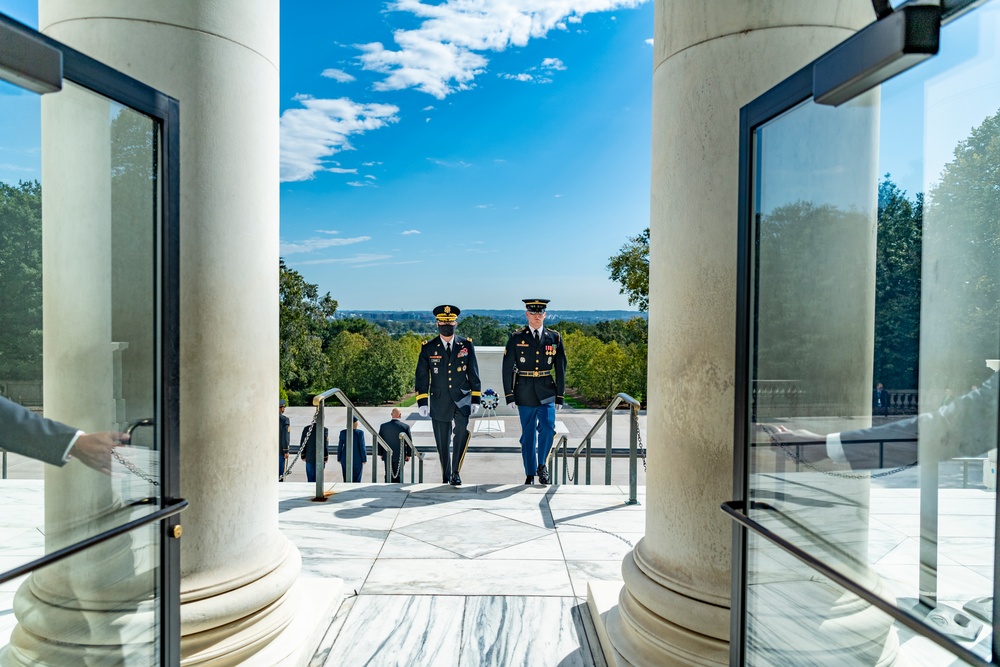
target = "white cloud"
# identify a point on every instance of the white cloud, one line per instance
(327, 231)
(553, 63)
(484, 205)
(357, 259)
(410, 231)
(361, 184)
(557, 196)
(338, 75)
(313, 244)
(369, 176)
(370, 164)
(523, 76)
(429, 107)
(650, 41)
(341, 170)
(442, 163)
(441, 56)
(321, 128)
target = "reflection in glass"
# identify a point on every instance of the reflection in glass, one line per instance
(78, 290)
(879, 268)
(73, 613)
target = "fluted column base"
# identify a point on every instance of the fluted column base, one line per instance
(644, 628)
(228, 627)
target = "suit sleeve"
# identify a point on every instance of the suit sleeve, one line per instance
(560, 364)
(361, 445)
(284, 433)
(475, 384)
(25, 433)
(965, 427)
(384, 434)
(341, 444)
(422, 382)
(508, 370)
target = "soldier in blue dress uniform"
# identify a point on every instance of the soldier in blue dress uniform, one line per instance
(534, 380)
(448, 389)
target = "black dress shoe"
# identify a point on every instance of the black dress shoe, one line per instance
(543, 475)
(529, 480)
(456, 480)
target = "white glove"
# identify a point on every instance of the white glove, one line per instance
(475, 408)
(512, 405)
(559, 407)
(423, 410)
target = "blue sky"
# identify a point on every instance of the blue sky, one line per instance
(465, 152)
(473, 153)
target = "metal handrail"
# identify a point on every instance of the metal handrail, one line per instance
(606, 417)
(320, 402)
(417, 455)
(352, 413)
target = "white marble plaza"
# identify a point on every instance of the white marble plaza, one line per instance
(477, 575)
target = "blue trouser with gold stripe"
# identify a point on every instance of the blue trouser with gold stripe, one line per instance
(538, 429)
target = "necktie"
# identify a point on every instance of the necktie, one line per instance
(447, 347)
(536, 336)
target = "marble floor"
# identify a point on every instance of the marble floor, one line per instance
(477, 575)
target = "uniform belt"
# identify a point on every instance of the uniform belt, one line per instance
(533, 374)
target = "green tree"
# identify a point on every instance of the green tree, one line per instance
(383, 372)
(342, 365)
(963, 216)
(630, 269)
(21, 281)
(302, 319)
(897, 287)
(483, 330)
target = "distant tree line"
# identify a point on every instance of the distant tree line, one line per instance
(373, 361)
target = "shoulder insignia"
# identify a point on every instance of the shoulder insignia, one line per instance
(469, 339)
(425, 342)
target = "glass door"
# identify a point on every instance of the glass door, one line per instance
(88, 361)
(869, 350)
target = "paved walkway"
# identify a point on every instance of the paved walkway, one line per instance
(470, 576)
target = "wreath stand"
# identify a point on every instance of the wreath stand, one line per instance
(489, 401)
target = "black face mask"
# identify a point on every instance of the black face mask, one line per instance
(446, 329)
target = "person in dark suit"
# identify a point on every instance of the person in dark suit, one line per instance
(534, 380)
(307, 449)
(25, 433)
(967, 426)
(448, 389)
(880, 401)
(359, 452)
(390, 432)
(284, 434)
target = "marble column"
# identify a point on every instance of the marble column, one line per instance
(220, 59)
(710, 58)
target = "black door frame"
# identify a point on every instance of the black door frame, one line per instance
(899, 41)
(39, 72)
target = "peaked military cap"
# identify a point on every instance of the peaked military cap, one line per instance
(535, 305)
(446, 313)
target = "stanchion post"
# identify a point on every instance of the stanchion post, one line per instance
(318, 432)
(633, 455)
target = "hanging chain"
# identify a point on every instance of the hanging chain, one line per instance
(844, 475)
(133, 468)
(642, 448)
(312, 425)
(400, 462)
